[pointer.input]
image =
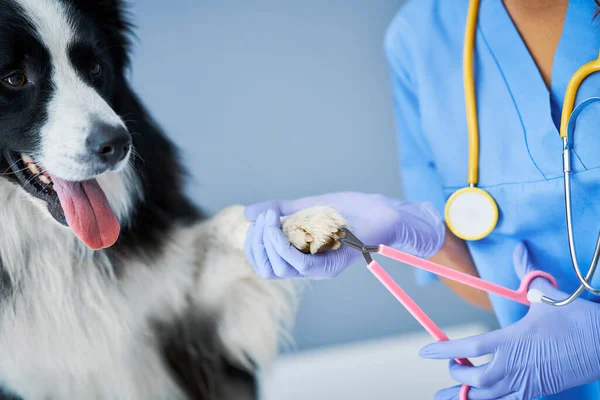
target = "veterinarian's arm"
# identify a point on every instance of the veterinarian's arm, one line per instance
(422, 181)
(455, 254)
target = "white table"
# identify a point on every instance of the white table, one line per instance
(387, 369)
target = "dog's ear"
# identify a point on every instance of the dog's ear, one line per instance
(112, 17)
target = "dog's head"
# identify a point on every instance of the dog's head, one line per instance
(61, 139)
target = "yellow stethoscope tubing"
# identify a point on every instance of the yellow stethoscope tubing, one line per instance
(571, 93)
(470, 99)
(469, 92)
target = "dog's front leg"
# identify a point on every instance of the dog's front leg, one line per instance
(255, 314)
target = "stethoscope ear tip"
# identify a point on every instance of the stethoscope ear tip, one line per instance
(534, 296)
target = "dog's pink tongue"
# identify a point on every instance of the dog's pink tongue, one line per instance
(88, 213)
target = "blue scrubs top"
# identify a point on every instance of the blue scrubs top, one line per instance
(520, 150)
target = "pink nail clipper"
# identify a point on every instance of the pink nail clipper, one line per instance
(522, 295)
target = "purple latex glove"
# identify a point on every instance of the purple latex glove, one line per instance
(550, 350)
(415, 228)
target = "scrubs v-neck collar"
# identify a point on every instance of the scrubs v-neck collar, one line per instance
(535, 104)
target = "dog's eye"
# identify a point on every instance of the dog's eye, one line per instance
(96, 70)
(16, 79)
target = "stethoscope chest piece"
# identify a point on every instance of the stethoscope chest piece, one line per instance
(471, 213)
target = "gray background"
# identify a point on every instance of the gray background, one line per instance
(282, 99)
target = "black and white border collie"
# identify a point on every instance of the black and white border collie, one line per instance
(112, 284)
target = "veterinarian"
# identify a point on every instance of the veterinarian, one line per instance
(526, 52)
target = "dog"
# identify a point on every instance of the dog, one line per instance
(113, 284)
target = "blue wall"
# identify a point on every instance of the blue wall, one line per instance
(281, 99)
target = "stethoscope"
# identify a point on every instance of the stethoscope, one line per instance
(471, 212)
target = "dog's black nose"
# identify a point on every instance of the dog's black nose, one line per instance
(109, 144)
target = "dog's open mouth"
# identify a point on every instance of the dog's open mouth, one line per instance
(82, 206)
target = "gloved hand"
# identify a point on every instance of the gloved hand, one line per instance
(415, 228)
(550, 350)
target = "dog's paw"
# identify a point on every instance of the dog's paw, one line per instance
(314, 230)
